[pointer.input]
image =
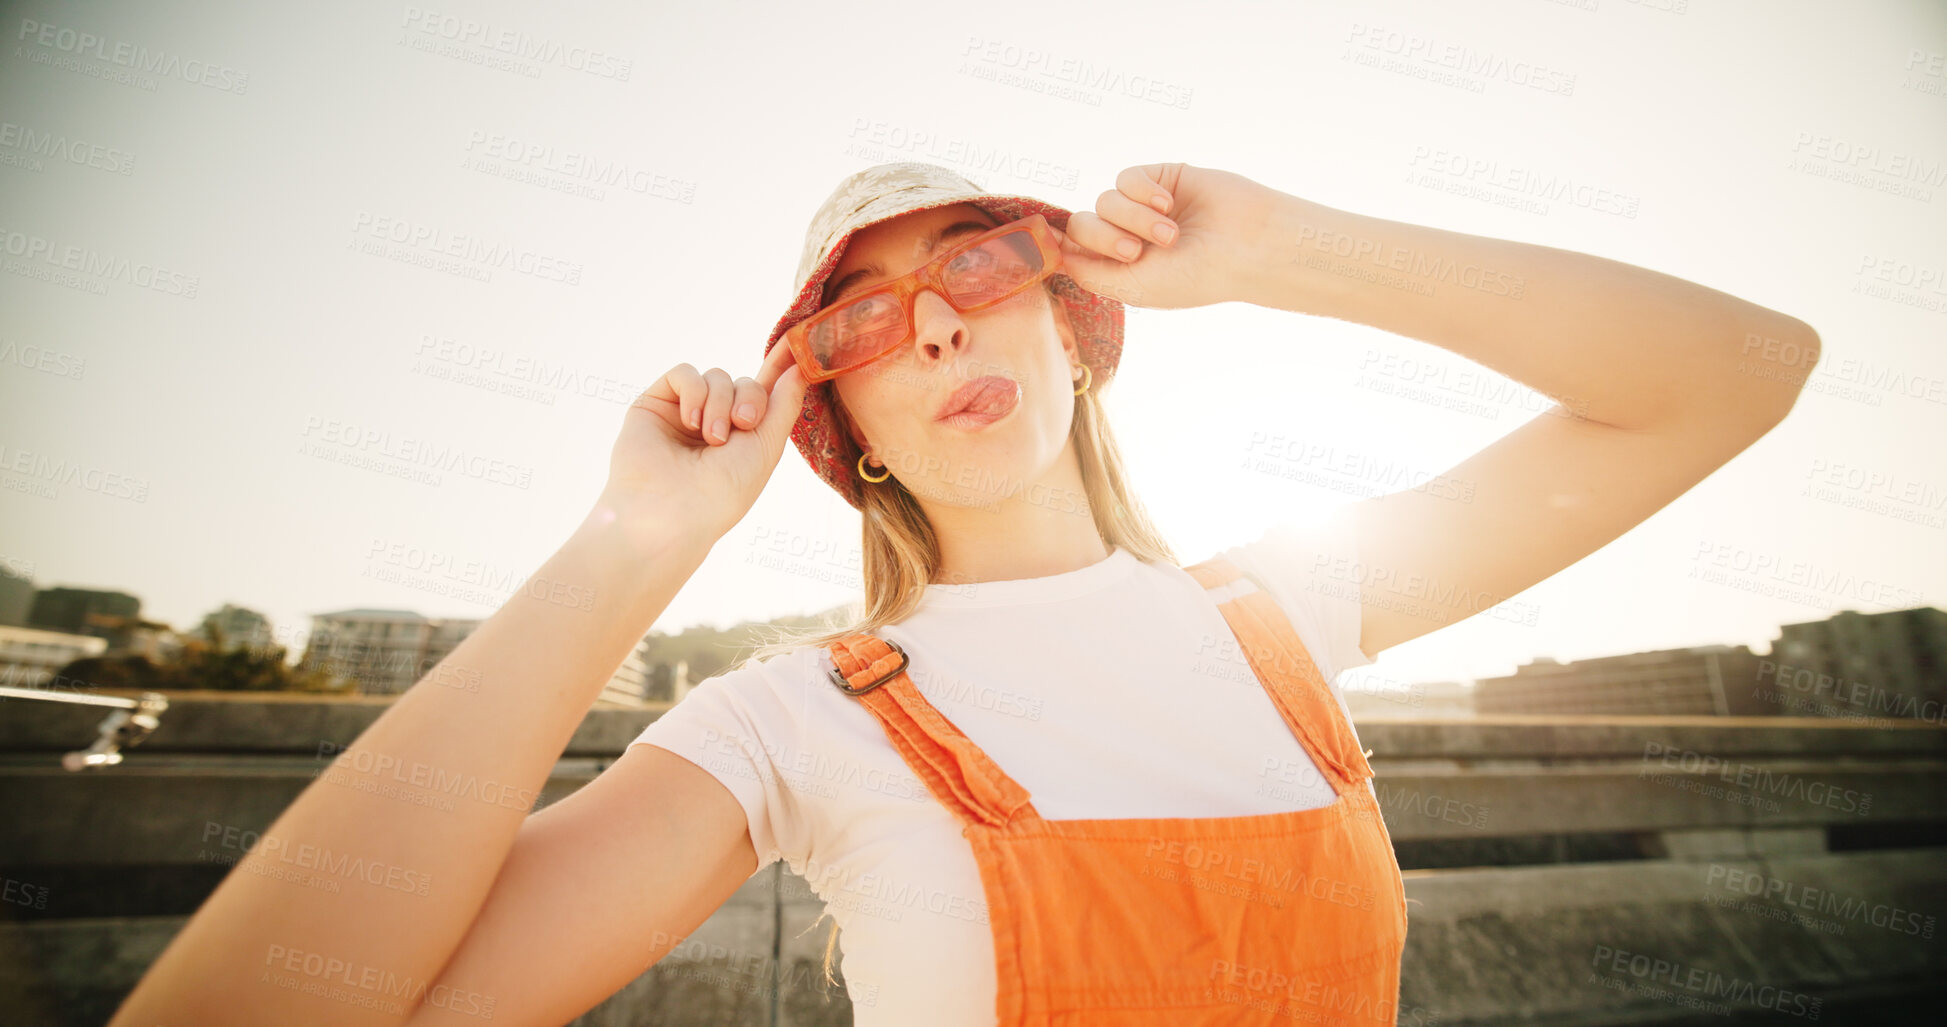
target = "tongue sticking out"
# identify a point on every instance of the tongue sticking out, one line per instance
(993, 398)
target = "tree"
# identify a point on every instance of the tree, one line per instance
(204, 665)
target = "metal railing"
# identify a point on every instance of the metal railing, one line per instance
(132, 721)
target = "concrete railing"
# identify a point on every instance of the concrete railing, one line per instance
(1560, 870)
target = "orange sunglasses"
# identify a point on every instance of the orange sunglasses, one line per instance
(972, 276)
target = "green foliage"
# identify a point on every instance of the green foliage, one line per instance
(203, 665)
(710, 652)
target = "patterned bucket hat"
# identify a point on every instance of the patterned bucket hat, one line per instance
(886, 191)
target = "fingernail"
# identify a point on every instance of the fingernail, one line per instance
(1128, 248)
(720, 428)
(694, 414)
(746, 412)
(1165, 231)
(1161, 201)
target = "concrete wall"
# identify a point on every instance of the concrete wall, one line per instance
(1590, 870)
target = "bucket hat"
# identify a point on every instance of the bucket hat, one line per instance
(886, 191)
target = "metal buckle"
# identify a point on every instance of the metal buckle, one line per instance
(846, 686)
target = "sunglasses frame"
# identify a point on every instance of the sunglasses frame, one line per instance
(927, 276)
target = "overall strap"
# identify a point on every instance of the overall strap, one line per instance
(959, 774)
(1279, 658)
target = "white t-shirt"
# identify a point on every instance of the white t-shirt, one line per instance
(1115, 690)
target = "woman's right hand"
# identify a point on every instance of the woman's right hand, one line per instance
(670, 461)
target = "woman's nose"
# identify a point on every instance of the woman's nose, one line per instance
(937, 327)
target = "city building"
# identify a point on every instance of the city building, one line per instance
(113, 617)
(1853, 664)
(68, 609)
(1419, 699)
(133, 636)
(16, 591)
(387, 651)
(241, 628)
(443, 635)
(31, 657)
(668, 682)
(384, 651)
(1700, 680)
(630, 685)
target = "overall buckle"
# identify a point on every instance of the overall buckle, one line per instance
(846, 686)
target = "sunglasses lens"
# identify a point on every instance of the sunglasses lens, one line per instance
(993, 270)
(863, 329)
(857, 332)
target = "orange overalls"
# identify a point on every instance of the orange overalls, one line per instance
(1297, 916)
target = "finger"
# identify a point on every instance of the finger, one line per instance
(659, 400)
(747, 403)
(1095, 234)
(1104, 276)
(688, 390)
(716, 408)
(775, 361)
(786, 402)
(1151, 185)
(1135, 218)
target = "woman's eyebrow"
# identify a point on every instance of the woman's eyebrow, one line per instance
(952, 231)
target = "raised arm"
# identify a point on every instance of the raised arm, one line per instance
(1659, 380)
(437, 791)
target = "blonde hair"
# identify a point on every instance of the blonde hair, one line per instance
(900, 554)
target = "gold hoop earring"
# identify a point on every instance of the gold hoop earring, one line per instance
(1088, 378)
(868, 477)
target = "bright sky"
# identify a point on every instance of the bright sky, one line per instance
(218, 324)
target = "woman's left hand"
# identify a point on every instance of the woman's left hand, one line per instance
(1220, 218)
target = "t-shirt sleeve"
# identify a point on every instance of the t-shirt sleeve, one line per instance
(1309, 568)
(732, 726)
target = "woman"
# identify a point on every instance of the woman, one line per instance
(1036, 696)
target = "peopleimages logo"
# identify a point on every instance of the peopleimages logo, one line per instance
(1742, 881)
(1760, 779)
(1862, 697)
(307, 856)
(1042, 64)
(51, 256)
(44, 470)
(1700, 983)
(882, 139)
(582, 169)
(515, 43)
(77, 43)
(362, 984)
(1525, 181)
(67, 149)
(415, 452)
(422, 243)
